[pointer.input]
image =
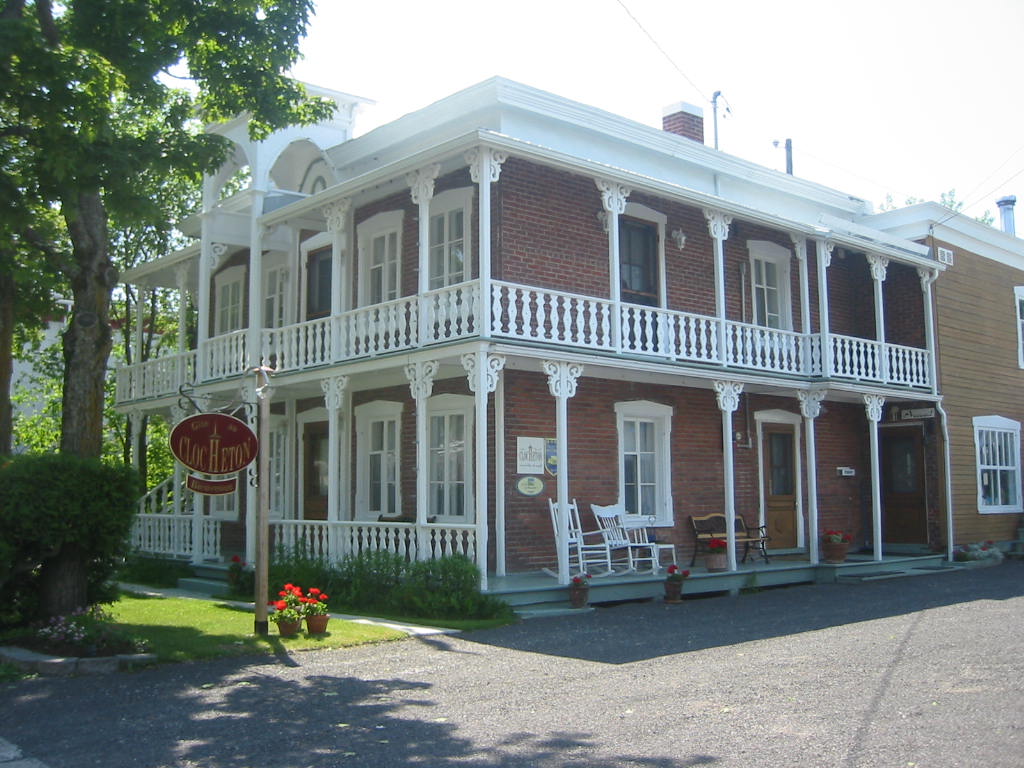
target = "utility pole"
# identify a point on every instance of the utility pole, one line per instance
(261, 624)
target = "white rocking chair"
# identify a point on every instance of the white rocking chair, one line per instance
(638, 551)
(584, 556)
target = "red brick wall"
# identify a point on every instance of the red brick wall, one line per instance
(684, 124)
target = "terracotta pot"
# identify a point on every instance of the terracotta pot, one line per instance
(289, 628)
(578, 595)
(317, 625)
(834, 551)
(716, 563)
(673, 591)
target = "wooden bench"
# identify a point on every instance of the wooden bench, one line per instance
(708, 527)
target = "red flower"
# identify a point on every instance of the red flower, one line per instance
(236, 559)
(686, 573)
(280, 605)
(314, 591)
(324, 597)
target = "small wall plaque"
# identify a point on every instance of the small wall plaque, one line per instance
(530, 486)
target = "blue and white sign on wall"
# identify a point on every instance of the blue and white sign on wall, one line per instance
(551, 456)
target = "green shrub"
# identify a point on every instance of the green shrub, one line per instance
(154, 571)
(387, 583)
(64, 524)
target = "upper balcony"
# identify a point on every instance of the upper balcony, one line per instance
(558, 319)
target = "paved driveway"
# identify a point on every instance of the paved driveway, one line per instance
(923, 671)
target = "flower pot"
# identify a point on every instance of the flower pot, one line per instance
(673, 591)
(289, 628)
(578, 595)
(834, 551)
(317, 625)
(717, 562)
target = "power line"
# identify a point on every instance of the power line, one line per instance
(662, 51)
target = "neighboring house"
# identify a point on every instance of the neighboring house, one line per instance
(979, 311)
(508, 297)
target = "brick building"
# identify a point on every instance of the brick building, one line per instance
(506, 274)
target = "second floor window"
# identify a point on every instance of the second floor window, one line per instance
(769, 284)
(229, 286)
(318, 284)
(1018, 297)
(447, 249)
(383, 268)
(638, 262)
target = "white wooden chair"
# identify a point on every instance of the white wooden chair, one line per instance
(594, 556)
(641, 535)
(638, 551)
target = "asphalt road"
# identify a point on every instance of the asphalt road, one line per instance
(924, 671)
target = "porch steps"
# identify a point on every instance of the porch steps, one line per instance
(207, 579)
(899, 573)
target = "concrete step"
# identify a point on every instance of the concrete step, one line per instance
(543, 610)
(211, 587)
(898, 573)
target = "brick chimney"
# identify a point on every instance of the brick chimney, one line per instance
(684, 119)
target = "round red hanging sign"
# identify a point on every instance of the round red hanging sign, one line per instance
(214, 443)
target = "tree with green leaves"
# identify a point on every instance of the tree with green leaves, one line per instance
(86, 108)
(84, 92)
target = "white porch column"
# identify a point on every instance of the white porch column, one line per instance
(810, 409)
(334, 397)
(928, 277)
(499, 478)
(421, 187)
(135, 418)
(718, 227)
(482, 371)
(421, 385)
(207, 263)
(824, 248)
(177, 414)
(484, 170)
(728, 394)
(873, 408)
(562, 379)
(181, 280)
(337, 214)
(141, 297)
(879, 265)
(254, 337)
(613, 198)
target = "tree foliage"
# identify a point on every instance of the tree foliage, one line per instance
(56, 509)
(87, 110)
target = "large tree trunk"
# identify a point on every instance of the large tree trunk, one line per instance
(64, 582)
(6, 361)
(87, 340)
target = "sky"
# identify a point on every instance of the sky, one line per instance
(905, 98)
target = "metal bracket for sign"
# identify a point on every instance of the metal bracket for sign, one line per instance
(186, 394)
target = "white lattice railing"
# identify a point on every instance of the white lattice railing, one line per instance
(172, 535)
(450, 313)
(333, 540)
(536, 315)
(767, 349)
(154, 378)
(225, 355)
(521, 312)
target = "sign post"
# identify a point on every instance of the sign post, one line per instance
(261, 624)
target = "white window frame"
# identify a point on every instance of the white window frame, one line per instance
(224, 506)
(1018, 295)
(223, 280)
(315, 243)
(661, 417)
(366, 416)
(442, 205)
(987, 429)
(280, 509)
(444, 406)
(278, 301)
(660, 221)
(378, 226)
(766, 251)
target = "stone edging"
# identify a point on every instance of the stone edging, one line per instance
(59, 666)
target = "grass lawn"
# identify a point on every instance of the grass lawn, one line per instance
(182, 629)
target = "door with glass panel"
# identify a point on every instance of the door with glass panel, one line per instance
(780, 485)
(904, 508)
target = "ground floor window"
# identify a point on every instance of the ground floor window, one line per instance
(378, 428)
(645, 479)
(997, 442)
(450, 459)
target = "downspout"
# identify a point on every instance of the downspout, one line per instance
(948, 479)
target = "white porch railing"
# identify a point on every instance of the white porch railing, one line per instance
(333, 540)
(521, 312)
(172, 535)
(224, 355)
(156, 377)
(537, 315)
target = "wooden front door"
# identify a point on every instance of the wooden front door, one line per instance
(314, 471)
(904, 509)
(780, 483)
